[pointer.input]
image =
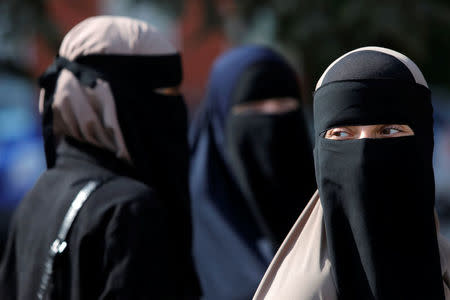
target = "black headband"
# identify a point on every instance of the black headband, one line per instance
(365, 102)
(154, 71)
(87, 76)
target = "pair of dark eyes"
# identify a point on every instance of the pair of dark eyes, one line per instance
(384, 131)
(368, 131)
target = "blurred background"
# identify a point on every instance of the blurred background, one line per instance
(310, 33)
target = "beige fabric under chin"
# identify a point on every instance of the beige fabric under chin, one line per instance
(301, 269)
(86, 114)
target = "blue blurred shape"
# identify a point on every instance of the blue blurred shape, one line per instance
(22, 157)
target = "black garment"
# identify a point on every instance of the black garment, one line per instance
(378, 194)
(270, 154)
(119, 246)
(5, 218)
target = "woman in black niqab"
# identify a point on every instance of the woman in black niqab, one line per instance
(375, 218)
(251, 173)
(107, 120)
(378, 194)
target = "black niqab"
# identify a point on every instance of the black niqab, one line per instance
(271, 153)
(378, 194)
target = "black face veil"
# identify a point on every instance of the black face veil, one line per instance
(378, 194)
(271, 153)
(154, 126)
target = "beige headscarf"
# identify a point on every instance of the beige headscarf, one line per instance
(89, 114)
(301, 269)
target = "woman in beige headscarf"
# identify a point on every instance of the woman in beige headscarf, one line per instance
(114, 130)
(372, 233)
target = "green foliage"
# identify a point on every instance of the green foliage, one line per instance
(173, 7)
(19, 21)
(319, 31)
(176, 8)
(25, 18)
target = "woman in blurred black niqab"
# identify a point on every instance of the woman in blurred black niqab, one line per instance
(251, 169)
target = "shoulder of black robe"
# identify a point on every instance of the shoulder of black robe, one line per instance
(120, 232)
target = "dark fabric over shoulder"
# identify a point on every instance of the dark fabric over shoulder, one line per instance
(120, 246)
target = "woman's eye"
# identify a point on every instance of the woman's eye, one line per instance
(390, 131)
(340, 134)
